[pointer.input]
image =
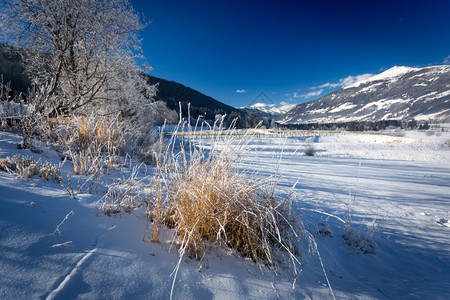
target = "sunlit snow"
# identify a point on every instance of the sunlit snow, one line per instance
(397, 181)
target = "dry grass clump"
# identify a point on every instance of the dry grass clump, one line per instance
(213, 203)
(200, 192)
(28, 168)
(104, 133)
(124, 194)
(99, 141)
(396, 141)
(360, 241)
(93, 144)
(86, 162)
(361, 238)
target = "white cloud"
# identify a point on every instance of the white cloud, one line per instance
(342, 83)
(326, 85)
(447, 60)
(272, 107)
(349, 80)
(241, 91)
(263, 105)
(285, 107)
(310, 94)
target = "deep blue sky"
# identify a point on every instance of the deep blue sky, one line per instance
(286, 48)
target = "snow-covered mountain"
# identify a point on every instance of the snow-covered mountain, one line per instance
(271, 111)
(399, 93)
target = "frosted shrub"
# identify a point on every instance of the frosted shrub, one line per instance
(397, 132)
(86, 162)
(309, 151)
(28, 168)
(32, 115)
(9, 107)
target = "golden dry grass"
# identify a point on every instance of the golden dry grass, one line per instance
(27, 168)
(86, 132)
(204, 197)
(93, 143)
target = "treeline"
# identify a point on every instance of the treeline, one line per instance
(360, 125)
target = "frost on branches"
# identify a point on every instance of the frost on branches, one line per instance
(85, 50)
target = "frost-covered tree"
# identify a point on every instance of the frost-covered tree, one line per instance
(85, 49)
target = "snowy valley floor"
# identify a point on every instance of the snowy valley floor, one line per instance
(400, 184)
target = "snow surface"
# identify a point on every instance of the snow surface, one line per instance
(401, 184)
(345, 106)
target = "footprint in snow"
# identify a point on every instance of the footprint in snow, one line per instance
(443, 222)
(62, 245)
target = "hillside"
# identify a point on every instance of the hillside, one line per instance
(400, 93)
(11, 69)
(171, 92)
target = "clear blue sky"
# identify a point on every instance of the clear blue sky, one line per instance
(289, 48)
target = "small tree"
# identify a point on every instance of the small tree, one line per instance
(412, 124)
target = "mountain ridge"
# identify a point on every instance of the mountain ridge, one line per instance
(400, 93)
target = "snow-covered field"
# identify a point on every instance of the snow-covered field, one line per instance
(401, 185)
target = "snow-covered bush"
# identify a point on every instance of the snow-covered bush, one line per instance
(93, 143)
(396, 132)
(309, 151)
(33, 116)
